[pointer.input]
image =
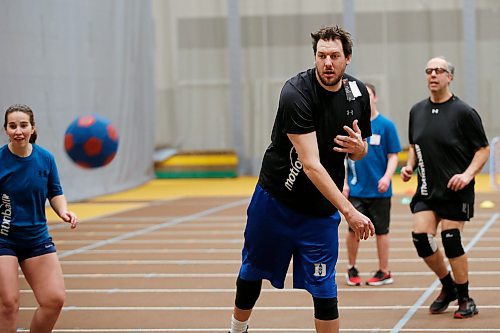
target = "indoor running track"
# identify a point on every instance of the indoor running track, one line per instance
(152, 264)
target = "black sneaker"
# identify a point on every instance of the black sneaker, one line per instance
(352, 277)
(443, 300)
(466, 308)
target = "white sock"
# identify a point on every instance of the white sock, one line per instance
(238, 326)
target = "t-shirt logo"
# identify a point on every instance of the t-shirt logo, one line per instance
(421, 171)
(43, 173)
(435, 111)
(295, 168)
(6, 212)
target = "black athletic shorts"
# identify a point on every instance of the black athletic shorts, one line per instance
(376, 209)
(449, 210)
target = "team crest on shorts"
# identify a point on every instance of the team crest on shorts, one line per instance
(320, 269)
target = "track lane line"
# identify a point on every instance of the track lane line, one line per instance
(152, 228)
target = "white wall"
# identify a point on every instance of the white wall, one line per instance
(393, 41)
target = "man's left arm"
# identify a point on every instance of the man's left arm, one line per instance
(459, 181)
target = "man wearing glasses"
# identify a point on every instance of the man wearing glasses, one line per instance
(449, 147)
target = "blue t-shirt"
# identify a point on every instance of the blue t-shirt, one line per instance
(25, 185)
(363, 175)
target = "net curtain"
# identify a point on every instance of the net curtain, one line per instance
(72, 58)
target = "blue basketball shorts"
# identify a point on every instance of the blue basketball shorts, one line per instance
(274, 234)
(23, 253)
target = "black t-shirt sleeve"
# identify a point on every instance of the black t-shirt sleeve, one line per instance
(473, 130)
(365, 122)
(296, 110)
(410, 129)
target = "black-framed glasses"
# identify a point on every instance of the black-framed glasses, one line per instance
(438, 70)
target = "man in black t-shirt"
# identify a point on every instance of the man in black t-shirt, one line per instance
(449, 147)
(323, 116)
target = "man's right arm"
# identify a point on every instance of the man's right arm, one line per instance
(306, 146)
(411, 163)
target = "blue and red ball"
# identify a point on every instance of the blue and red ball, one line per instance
(91, 141)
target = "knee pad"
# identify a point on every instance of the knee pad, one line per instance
(325, 308)
(247, 293)
(424, 243)
(452, 243)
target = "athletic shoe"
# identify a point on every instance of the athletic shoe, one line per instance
(352, 277)
(380, 278)
(466, 308)
(246, 331)
(443, 300)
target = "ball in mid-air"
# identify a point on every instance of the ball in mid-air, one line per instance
(91, 141)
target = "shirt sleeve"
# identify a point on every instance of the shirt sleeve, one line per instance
(297, 111)
(53, 185)
(365, 124)
(474, 131)
(410, 129)
(393, 144)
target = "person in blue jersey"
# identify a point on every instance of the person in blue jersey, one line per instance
(448, 147)
(323, 116)
(369, 189)
(28, 178)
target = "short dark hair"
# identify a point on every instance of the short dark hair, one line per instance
(372, 88)
(332, 33)
(24, 109)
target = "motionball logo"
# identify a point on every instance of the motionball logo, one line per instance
(295, 168)
(6, 209)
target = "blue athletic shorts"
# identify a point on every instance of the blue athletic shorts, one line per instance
(274, 234)
(23, 253)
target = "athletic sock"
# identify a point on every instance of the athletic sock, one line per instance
(447, 282)
(463, 290)
(238, 326)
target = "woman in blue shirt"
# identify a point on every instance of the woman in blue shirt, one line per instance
(28, 177)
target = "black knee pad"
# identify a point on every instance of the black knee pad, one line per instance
(247, 293)
(424, 243)
(452, 243)
(325, 308)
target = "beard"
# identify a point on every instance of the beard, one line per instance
(329, 82)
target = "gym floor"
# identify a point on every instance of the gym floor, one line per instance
(164, 258)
